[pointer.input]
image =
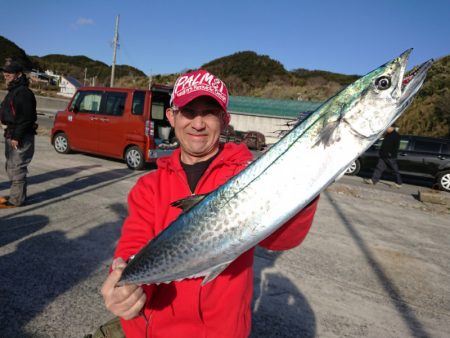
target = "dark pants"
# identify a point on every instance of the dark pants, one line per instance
(382, 165)
(17, 161)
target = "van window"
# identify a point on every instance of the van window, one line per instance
(115, 103)
(138, 103)
(427, 146)
(74, 101)
(88, 102)
(157, 111)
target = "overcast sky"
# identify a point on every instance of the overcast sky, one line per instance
(160, 36)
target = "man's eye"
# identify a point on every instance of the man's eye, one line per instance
(191, 113)
(188, 112)
(209, 112)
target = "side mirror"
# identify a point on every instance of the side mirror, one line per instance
(74, 108)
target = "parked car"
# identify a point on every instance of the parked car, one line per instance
(427, 157)
(253, 139)
(120, 123)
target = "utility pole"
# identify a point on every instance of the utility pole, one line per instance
(115, 43)
(85, 76)
(150, 80)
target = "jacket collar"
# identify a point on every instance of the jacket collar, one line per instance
(231, 154)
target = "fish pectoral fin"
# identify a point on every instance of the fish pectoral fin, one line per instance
(187, 203)
(214, 273)
(328, 135)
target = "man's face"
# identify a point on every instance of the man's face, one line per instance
(10, 77)
(197, 127)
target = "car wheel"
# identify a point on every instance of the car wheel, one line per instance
(61, 143)
(354, 168)
(134, 158)
(443, 180)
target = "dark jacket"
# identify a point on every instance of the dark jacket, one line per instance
(389, 146)
(18, 110)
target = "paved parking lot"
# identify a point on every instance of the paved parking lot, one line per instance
(375, 264)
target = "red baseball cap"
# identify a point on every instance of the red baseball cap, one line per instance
(198, 83)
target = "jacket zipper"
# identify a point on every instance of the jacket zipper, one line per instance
(205, 175)
(184, 182)
(12, 107)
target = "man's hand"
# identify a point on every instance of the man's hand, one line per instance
(14, 144)
(123, 301)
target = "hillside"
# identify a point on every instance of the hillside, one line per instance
(9, 49)
(68, 65)
(249, 74)
(429, 114)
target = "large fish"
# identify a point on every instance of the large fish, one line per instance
(216, 228)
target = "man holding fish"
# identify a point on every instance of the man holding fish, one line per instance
(213, 303)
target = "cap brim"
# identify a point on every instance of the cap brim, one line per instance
(10, 71)
(184, 100)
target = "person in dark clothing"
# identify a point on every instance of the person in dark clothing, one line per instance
(388, 157)
(18, 113)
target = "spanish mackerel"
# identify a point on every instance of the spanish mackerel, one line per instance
(216, 228)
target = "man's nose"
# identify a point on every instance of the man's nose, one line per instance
(198, 122)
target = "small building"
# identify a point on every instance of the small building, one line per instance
(68, 86)
(36, 76)
(268, 116)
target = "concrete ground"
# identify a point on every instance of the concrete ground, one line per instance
(375, 264)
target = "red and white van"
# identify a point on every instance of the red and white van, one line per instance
(121, 123)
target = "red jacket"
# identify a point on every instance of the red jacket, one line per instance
(221, 308)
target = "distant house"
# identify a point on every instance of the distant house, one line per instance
(68, 86)
(39, 77)
(53, 75)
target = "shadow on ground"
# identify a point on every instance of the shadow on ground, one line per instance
(406, 312)
(45, 266)
(279, 308)
(51, 175)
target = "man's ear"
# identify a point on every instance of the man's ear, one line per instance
(223, 125)
(170, 114)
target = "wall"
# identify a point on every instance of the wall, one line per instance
(269, 126)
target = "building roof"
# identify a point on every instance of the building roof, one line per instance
(73, 81)
(270, 107)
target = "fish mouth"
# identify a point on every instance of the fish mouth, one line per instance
(412, 80)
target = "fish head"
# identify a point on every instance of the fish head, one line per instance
(380, 97)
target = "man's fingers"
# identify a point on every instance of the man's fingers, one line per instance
(126, 301)
(136, 308)
(117, 268)
(109, 286)
(118, 263)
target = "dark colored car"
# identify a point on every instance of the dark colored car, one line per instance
(426, 157)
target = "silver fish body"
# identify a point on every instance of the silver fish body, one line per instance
(238, 215)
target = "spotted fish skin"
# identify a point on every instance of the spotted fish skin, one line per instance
(235, 217)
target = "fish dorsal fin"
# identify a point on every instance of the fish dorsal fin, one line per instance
(188, 202)
(214, 273)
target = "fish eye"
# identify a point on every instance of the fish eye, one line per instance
(383, 83)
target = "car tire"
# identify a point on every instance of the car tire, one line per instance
(134, 158)
(443, 180)
(61, 143)
(353, 168)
